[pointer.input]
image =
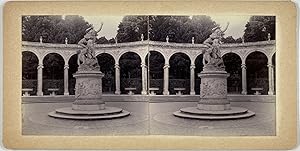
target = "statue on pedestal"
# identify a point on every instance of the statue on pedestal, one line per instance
(213, 103)
(88, 104)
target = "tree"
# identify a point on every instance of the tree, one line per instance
(258, 27)
(76, 28)
(179, 29)
(53, 29)
(229, 39)
(163, 26)
(29, 65)
(239, 40)
(131, 28)
(112, 41)
(199, 27)
(102, 40)
(35, 26)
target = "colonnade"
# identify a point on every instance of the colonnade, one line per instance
(166, 49)
(165, 79)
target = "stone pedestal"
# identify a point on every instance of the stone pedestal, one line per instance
(88, 102)
(213, 91)
(88, 91)
(213, 103)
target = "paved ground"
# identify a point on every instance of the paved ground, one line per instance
(37, 122)
(148, 118)
(163, 123)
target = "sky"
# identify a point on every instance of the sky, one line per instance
(110, 24)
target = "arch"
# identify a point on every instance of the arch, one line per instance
(30, 63)
(107, 52)
(53, 73)
(255, 50)
(107, 63)
(272, 55)
(162, 53)
(199, 67)
(156, 71)
(257, 72)
(68, 57)
(35, 53)
(179, 52)
(73, 67)
(233, 62)
(232, 52)
(128, 51)
(197, 55)
(130, 72)
(274, 70)
(60, 53)
(179, 72)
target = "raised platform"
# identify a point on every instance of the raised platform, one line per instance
(107, 113)
(232, 113)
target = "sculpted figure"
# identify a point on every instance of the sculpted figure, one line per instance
(86, 57)
(212, 55)
(92, 33)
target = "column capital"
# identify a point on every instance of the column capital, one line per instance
(117, 66)
(143, 65)
(40, 66)
(243, 66)
(166, 66)
(66, 66)
(192, 67)
(270, 65)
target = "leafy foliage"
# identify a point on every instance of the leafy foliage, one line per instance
(29, 65)
(53, 66)
(131, 28)
(130, 65)
(179, 29)
(258, 27)
(103, 40)
(179, 66)
(54, 29)
(157, 62)
(228, 39)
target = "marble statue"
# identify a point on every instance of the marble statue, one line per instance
(92, 33)
(88, 104)
(212, 56)
(87, 60)
(213, 103)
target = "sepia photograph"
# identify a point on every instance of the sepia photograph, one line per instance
(200, 75)
(150, 75)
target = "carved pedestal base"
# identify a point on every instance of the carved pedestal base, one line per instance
(88, 103)
(213, 103)
(213, 91)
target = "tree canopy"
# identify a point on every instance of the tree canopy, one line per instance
(179, 29)
(53, 29)
(131, 28)
(258, 27)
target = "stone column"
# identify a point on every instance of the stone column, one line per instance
(271, 79)
(66, 79)
(192, 83)
(244, 79)
(144, 78)
(117, 78)
(166, 79)
(40, 80)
